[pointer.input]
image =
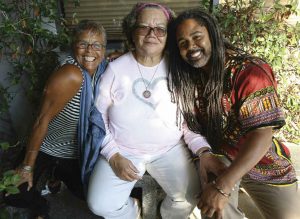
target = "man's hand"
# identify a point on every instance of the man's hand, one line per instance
(212, 202)
(124, 168)
(209, 163)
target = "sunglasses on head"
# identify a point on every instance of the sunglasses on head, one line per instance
(145, 30)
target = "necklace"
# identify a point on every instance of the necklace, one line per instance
(146, 92)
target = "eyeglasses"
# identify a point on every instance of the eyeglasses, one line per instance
(145, 30)
(85, 45)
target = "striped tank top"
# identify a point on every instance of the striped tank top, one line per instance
(61, 138)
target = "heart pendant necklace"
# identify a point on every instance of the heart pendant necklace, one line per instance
(146, 93)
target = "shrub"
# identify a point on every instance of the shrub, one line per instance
(264, 32)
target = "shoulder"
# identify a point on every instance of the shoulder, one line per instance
(254, 69)
(69, 72)
(120, 66)
(65, 78)
(254, 76)
(123, 61)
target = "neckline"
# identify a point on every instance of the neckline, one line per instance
(140, 64)
(147, 93)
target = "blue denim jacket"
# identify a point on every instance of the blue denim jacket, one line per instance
(91, 128)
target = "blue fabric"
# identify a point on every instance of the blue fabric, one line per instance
(91, 128)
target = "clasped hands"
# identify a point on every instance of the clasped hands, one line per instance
(124, 168)
(211, 202)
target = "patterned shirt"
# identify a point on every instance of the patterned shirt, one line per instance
(250, 101)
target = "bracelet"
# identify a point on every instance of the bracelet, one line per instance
(204, 152)
(227, 195)
(201, 153)
(27, 168)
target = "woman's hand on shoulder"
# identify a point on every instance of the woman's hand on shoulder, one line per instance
(124, 168)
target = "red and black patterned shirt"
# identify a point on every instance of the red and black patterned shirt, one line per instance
(250, 101)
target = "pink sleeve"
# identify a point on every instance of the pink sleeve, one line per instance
(103, 102)
(193, 140)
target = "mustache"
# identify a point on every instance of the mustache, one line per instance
(191, 51)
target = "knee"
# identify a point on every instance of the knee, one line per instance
(98, 208)
(105, 207)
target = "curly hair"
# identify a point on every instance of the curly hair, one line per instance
(129, 21)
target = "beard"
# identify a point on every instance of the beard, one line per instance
(197, 62)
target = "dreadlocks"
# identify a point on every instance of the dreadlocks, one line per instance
(185, 79)
(187, 83)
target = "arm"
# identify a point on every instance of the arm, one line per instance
(256, 144)
(255, 147)
(103, 102)
(60, 88)
(208, 163)
(121, 166)
(195, 142)
(254, 88)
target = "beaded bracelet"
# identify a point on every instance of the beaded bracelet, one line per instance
(27, 168)
(227, 195)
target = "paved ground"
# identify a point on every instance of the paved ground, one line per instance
(65, 206)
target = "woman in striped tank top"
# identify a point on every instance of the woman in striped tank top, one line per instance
(54, 145)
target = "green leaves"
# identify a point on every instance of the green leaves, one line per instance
(26, 40)
(264, 32)
(4, 145)
(12, 190)
(9, 182)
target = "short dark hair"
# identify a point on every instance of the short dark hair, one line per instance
(129, 21)
(90, 25)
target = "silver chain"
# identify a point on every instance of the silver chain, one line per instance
(146, 86)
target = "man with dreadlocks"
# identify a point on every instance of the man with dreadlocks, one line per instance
(230, 97)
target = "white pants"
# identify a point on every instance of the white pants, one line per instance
(108, 195)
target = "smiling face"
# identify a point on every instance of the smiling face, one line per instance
(150, 44)
(193, 43)
(89, 57)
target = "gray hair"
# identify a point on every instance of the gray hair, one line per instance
(129, 21)
(92, 26)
